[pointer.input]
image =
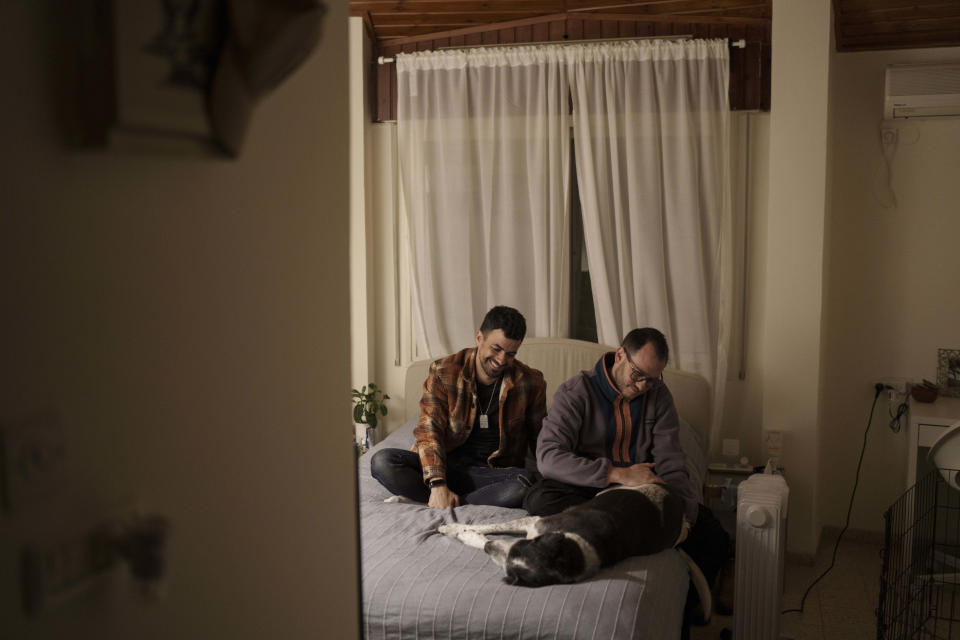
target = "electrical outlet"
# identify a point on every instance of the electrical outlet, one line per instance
(895, 390)
(896, 384)
(773, 446)
(33, 459)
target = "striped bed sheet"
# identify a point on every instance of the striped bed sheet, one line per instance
(419, 584)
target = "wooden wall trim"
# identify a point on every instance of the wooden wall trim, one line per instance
(749, 67)
(573, 18)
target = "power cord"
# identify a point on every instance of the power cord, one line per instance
(897, 416)
(879, 387)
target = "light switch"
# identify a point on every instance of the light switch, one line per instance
(774, 444)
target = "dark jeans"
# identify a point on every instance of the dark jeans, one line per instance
(708, 544)
(400, 472)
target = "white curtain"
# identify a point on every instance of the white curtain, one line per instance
(651, 130)
(483, 142)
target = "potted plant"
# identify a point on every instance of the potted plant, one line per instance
(368, 404)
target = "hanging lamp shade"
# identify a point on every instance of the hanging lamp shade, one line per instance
(945, 455)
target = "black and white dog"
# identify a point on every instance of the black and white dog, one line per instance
(575, 544)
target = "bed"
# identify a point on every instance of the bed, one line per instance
(420, 584)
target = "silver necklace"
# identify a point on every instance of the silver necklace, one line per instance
(484, 419)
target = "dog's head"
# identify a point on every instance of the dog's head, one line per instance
(551, 558)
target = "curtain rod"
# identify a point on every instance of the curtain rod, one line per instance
(740, 44)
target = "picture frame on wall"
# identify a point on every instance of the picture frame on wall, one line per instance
(179, 75)
(141, 73)
(948, 372)
(164, 59)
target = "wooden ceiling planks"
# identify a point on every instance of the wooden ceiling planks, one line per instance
(405, 26)
(410, 19)
(860, 25)
(869, 25)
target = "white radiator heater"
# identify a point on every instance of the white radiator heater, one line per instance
(761, 541)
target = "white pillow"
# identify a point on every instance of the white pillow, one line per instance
(692, 446)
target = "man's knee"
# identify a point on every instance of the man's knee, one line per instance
(533, 501)
(385, 464)
(548, 497)
(378, 464)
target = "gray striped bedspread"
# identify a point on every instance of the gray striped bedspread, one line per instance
(419, 584)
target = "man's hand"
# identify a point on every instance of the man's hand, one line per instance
(442, 497)
(633, 476)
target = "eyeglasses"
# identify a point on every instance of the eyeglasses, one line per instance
(639, 377)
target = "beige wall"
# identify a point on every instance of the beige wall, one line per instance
(381, 335)
(184, 317)
(794, 264)
(393, 342)
(893, 293)
(361, 295)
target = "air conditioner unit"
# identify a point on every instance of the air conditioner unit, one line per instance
(922, 91)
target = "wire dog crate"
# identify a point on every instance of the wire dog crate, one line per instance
(920, 576)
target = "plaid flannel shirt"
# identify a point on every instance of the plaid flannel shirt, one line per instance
(448, 411)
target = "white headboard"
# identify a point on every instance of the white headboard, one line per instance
(560, 359)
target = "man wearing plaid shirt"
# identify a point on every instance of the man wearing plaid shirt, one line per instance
(480, 416)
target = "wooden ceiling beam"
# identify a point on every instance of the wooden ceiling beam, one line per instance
(672, 7)
(412, 35)
(388, 25)
(654, 6)
(944, 10)
(464, 6)
(757, 11)
(931, 25)
(368, 26)
(437, 35)
(686, 19)
(846, 6)
(460, 19)
(912, 40)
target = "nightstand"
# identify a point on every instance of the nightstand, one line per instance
(720, 491)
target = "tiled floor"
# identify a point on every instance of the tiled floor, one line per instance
(840, 607)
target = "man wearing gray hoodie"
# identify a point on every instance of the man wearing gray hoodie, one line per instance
(617, 425)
